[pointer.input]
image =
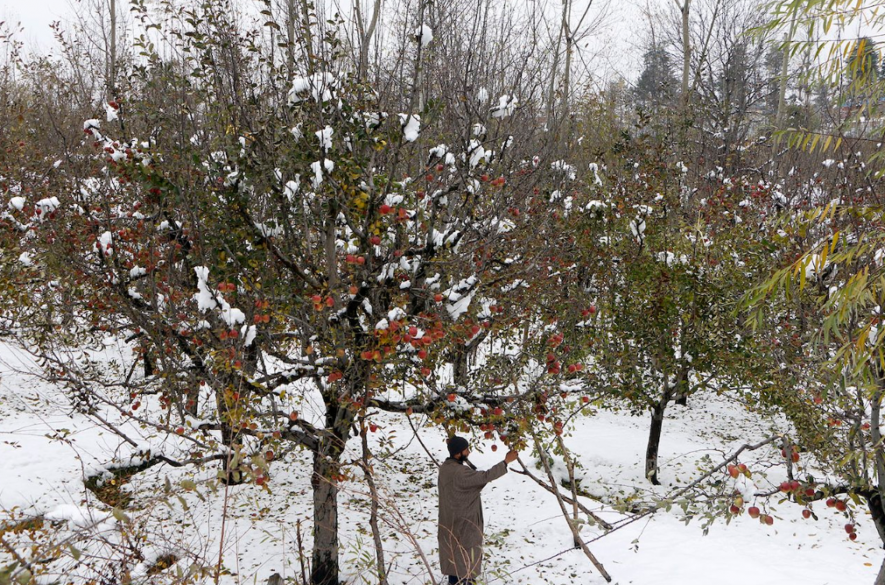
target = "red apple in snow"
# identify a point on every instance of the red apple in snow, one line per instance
(841, 506)
(806, 513)
(753, 511)
(733, 471)
(734, 510)
(768, 519)
(831, 502)
(451, 397)
(853, 536)
(494, 447)
(849, 528)
(375, 240)
(438, 298)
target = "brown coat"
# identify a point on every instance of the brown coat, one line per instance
(460, 517)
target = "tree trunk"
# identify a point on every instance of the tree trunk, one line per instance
(566, 74)
(324, 566)
(112, 54)
(373, 516)
(366, 37)
(874, 503)
(686, 53)
(880, 578)
(290, 39)
(654, 441)
(324, 482)
(782, 85)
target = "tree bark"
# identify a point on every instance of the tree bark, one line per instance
(324, 482)
(654, 441)
(686, 52)
(325, 520)
(373, 517)
(112, 54)
(290, 39)
(366, 35)
(569, 48)
(880, 578)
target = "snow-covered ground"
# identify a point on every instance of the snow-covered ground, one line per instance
(44, 452)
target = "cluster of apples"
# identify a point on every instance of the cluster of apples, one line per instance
(753, 511)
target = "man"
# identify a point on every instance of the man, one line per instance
(460, 512)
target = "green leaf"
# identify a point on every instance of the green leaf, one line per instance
(121, 516)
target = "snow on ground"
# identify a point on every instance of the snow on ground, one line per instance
(44, 451)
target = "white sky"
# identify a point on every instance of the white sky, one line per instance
(621, 37)
(35, 16)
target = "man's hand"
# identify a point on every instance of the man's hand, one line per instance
(510, 457)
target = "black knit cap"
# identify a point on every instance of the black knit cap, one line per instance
(457, 445)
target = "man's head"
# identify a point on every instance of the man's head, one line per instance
(458, 447)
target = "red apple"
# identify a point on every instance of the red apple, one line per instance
(853, 536)
(831, 502)
(494, 447)
(753, 511)
(806, 513)
(451, 397)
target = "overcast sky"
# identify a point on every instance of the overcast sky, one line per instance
(35, 16)
(618, 51)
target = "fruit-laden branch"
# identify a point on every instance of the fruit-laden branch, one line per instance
(682, 491)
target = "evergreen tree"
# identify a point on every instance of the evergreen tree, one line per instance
(657, 83)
